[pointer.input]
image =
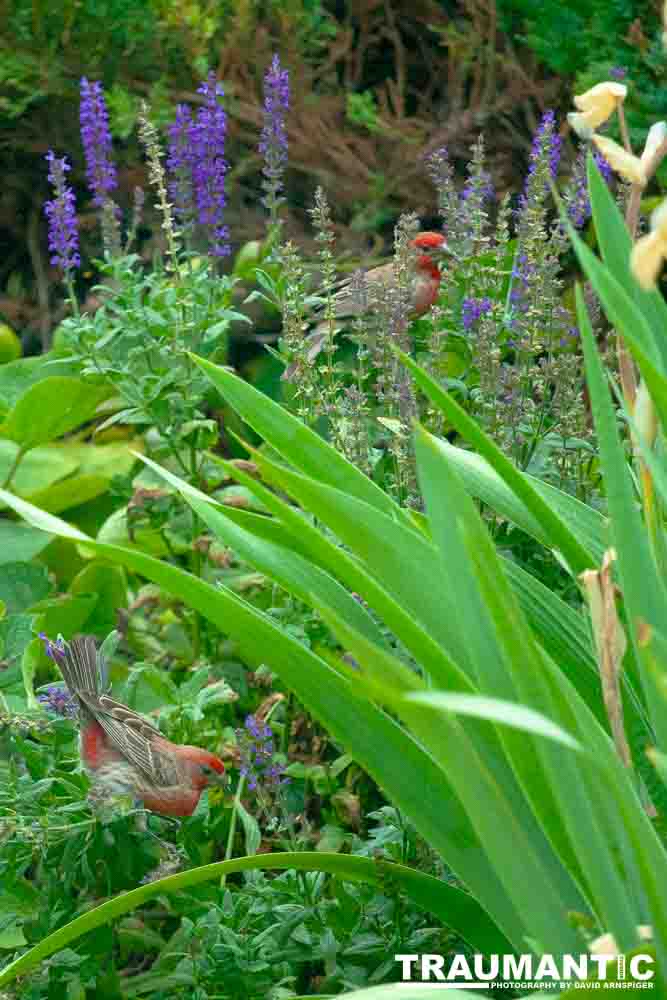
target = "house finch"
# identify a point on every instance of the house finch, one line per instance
(123, 751)
(425, 289)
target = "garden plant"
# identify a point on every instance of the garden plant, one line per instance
(406, 594)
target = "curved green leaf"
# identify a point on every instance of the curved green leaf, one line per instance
(455, 908)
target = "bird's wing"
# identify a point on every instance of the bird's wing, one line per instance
(140, 743)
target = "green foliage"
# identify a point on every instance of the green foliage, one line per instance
(588, 40)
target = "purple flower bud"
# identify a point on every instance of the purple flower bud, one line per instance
(55, 650)
(273, 142)
(61, 215)
(96, 140)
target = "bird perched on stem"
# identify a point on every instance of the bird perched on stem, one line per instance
(431, 247)
(120, 749)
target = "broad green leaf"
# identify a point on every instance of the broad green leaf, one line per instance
(108, 584)
(22, 584)
(20, 542)
(38, 469)
(148, 688)
(51, 408)
(509, 666)
(302, 537)
(506, 713)
(70, 492)
(15, 634)
(483, 482)
(290, 570)
(18, 376)
(65, 613)
(108, 460)
(616, 246)
(115, 531)
(643, 590)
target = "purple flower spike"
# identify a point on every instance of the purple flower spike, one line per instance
(576, 197)
(180, 162)
(58, 700)
(257, 764)
(61, 215)
(546, 146)
(273, 142)
(96, 139)
(473, 309)
(209, 167)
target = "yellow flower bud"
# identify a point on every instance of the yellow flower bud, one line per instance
(596, 106)
(655, 141)
(628, 166)
(650, 251)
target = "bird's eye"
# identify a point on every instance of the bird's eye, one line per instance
(205, 769)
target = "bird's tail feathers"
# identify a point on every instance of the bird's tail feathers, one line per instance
(79, 666)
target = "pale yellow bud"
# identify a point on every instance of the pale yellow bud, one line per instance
(650, 251)
(597, 105)
(656, 140)
(628, 166)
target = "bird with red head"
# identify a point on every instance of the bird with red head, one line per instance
(431, 247)
(120, 749)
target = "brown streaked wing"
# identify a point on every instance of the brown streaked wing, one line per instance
(139, 742)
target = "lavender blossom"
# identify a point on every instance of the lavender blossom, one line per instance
(180, 163)
(209, 166)
(96, 139)
(618, 72)
(546, 148)
(258, 764)
(473, 309)
(58, 700)
(57, 650)
(273, 143)
(480, 185)
(576, 197)
(61, 215)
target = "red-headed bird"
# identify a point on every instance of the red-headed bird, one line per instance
(124, 752)
(430, 247)
(426, 282)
